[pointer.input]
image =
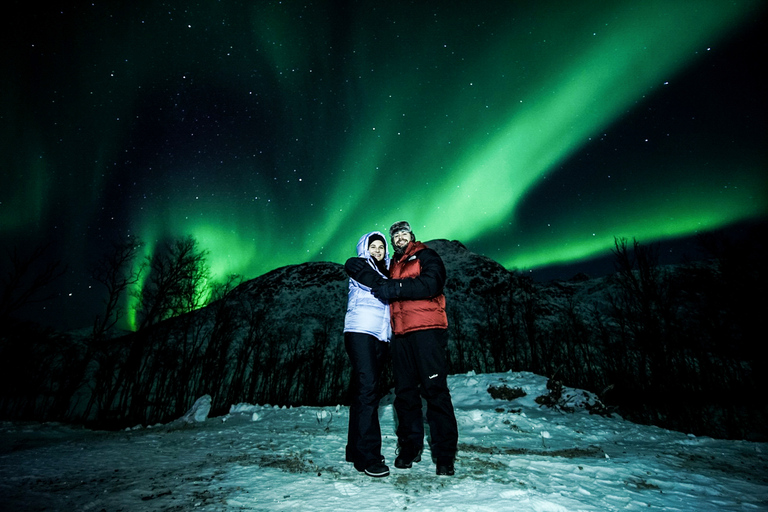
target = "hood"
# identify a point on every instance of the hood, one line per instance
(362, 246)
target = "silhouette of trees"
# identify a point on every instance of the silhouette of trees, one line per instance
(174, 283)
(33, 359)
(462, 352)
(674, 345)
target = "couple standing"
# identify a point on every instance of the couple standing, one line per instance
(403, 296)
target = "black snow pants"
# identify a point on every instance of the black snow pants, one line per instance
(367, 356)
(420, 369)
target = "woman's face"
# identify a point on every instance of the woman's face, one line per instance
(377, 249)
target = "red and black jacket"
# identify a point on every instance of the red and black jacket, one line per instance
(420, 303)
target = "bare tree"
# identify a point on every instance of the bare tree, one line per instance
(642, 306)
(175, 284)
(215, 364)
(116, 272)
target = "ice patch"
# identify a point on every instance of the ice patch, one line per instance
(516, 493)
(548, 506)
(347, 489)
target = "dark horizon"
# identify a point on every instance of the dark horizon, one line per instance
(66, 313)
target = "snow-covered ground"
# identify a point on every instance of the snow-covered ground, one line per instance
(514, 455)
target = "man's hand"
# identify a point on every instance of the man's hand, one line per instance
(387, 290)
(354, 266)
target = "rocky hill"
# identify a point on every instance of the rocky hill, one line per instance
(672, 346)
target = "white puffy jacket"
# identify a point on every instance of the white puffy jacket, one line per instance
(366, 313)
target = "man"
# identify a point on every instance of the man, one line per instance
(418, 348)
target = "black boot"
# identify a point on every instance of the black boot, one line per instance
(407, 457)
(445, 467)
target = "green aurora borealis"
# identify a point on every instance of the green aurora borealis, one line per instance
(278, 132)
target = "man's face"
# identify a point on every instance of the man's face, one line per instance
(401, 239)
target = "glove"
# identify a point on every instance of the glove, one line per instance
(387, 290)
(354, 266)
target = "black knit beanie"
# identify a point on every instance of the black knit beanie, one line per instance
(374, 237)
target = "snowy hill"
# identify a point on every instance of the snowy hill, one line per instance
(514, 455)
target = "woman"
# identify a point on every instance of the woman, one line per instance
(367, 333)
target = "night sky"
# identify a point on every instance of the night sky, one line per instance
(277, 132)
